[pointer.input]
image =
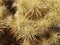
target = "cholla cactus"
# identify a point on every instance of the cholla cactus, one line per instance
(31, 9)
(36, 22)
(33, 22)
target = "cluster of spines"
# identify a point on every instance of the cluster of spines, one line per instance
(24, 25)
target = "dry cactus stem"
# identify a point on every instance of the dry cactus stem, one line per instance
(32, 22)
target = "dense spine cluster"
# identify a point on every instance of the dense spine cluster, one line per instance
(31, 22)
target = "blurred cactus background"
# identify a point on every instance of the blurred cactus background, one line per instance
(29, 22)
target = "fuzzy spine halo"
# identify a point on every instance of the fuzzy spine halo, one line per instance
(35, 21)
